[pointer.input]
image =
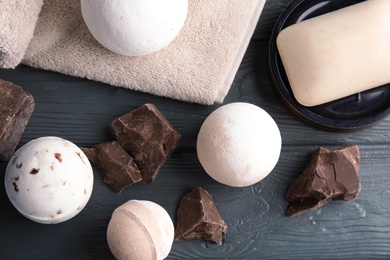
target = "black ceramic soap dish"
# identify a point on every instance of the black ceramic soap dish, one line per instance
(351, 113)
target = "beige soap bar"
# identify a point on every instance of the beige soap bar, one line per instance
(339, 53)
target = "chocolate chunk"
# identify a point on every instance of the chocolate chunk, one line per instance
(16, 108)
(116, 164)
(198, 217)
(148, 137)
(330, 175)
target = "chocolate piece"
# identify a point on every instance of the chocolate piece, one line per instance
(148, 137)
(330, 175)
(116, 164)
(198, 217)
(16, 107)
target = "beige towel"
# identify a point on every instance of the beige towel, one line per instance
(17, 24)
(198, 66)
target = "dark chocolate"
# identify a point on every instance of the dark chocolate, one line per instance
(148, 137)
(330, 175)
(117, 165)
(198, 217)
(16, 108)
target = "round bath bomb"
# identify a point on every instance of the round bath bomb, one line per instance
(49, 180)
(140, 229)
(239, 144)
(136, 27)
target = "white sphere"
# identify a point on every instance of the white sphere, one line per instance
(140, 229)
(49, 180)
(239, 144)
(134, 27)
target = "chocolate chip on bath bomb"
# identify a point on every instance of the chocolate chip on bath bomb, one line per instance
(117, 165)
(330, 175)
(148, 137)
(16, 108)
(198, 217)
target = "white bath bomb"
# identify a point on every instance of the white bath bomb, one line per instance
(239, 144)
(136, 27)
(49, 180)
(140, 229)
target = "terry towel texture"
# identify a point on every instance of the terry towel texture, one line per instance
(17, 24)
(198, 66)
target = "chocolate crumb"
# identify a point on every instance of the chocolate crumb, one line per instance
(85, 191)
(58, 157)
(19, 165)
(52, 167)
(14, 160)
(34, 171)
(15, 187)
(59, 212)
(80, 157)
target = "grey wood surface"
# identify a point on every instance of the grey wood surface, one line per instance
(80, 110)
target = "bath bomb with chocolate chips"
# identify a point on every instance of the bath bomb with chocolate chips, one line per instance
(49, 180)
(239, 144)
(136, 27)
(140, 229)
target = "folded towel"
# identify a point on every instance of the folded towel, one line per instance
(17, 24)
(198, 66)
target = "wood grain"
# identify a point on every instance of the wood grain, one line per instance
(80, 111)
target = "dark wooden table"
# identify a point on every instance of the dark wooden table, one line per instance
(80, 110)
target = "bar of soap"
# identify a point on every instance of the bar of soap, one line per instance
(148, 137)
(198, 217)
(16, 108)
(118, 166)
(330, 175)
(337, 54)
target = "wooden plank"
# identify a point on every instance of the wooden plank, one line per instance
(80, 111)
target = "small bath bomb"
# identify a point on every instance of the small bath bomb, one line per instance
(136, 27)
(140, 229)
(239, 144)
(49, 180)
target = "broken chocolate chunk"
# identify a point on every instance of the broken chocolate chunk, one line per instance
(148, 137)
(16, 108)
(117, 165)
(330, 175)
(198, 217)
